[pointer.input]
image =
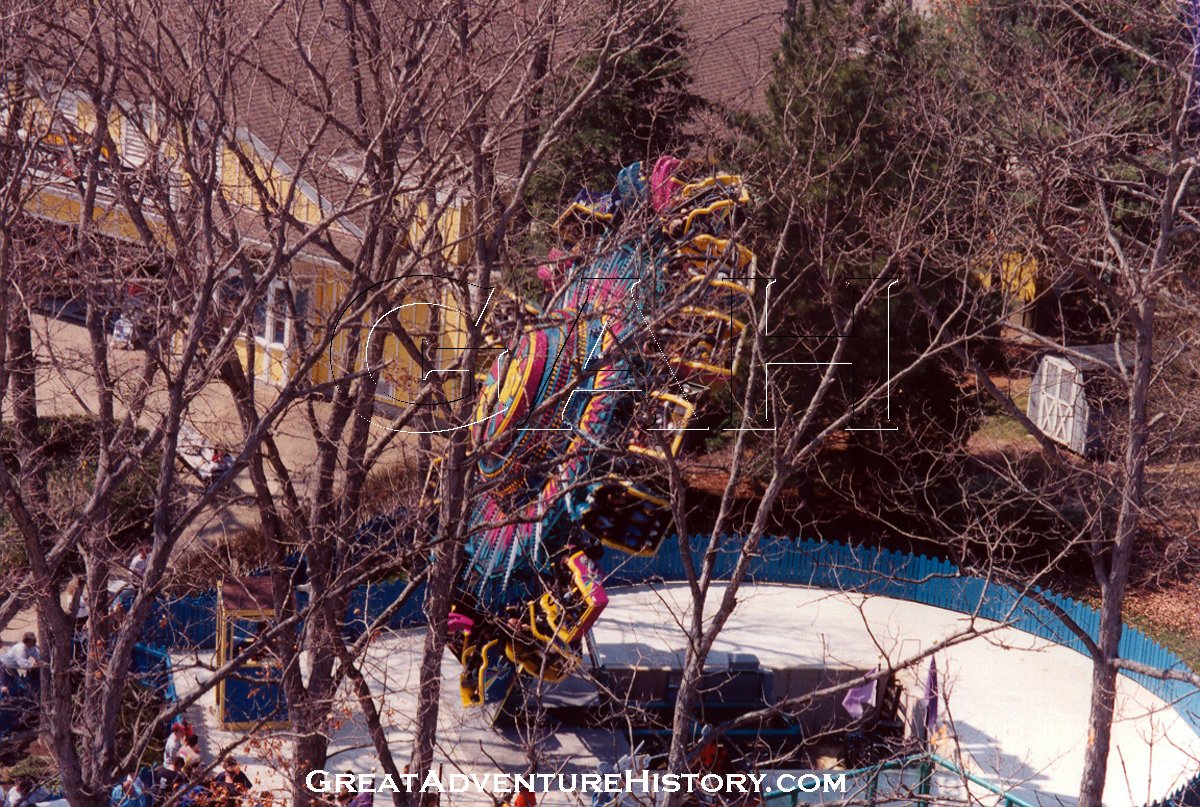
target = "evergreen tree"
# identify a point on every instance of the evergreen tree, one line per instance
(643, 112)
(834, 133)
(835, 157)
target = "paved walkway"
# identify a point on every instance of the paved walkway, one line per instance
(65, 386)
(1015, 705)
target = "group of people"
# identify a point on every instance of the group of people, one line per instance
(183, 743)
(20, 662)
(182, 771)
(230, 787)
(182, 776)
(350, 799)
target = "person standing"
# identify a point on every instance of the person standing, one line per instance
(137, 565)
(22, 657)
(233, 781)
(175, 743)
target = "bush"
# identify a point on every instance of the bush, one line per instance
(69, 446)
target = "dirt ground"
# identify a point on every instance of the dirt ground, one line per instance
(1168, 606)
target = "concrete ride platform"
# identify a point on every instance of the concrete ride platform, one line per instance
(1013, 706)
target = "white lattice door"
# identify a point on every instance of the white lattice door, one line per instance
(1060, 389)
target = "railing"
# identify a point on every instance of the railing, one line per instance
(153, 666)
(1006, 796)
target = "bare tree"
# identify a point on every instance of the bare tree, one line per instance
(1085, 182)
(289, 183)
(235, 186)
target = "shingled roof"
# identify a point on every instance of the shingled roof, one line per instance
(732, 43)
(306, 129)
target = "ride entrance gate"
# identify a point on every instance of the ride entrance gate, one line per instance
(251, 695)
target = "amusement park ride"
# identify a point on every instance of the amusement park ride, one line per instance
(635, 343)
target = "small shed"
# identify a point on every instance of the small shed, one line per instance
(1076, 392)
(251, 695)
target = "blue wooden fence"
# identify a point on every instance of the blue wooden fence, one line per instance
(184, 623)
(153, 666)
(190, 622)
(368, 602)
(917, 578)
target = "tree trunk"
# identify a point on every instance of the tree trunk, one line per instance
(437, 606)
(308, 754)
(681, 724)
(22, 369)
(1114, 581)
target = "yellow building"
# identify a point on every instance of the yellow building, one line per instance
(250, 176)
(1015, 276)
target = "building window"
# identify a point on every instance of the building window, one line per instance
(270, 325)
(260, 318)
(301, 316)
(279, 316)
(273, 324)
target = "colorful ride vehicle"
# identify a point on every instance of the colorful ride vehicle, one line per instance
(645, 301)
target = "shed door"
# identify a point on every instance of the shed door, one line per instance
(1059, 390)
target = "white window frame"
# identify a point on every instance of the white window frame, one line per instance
(265, 338)
(150, 152)
(135, 150)
(265, 344)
